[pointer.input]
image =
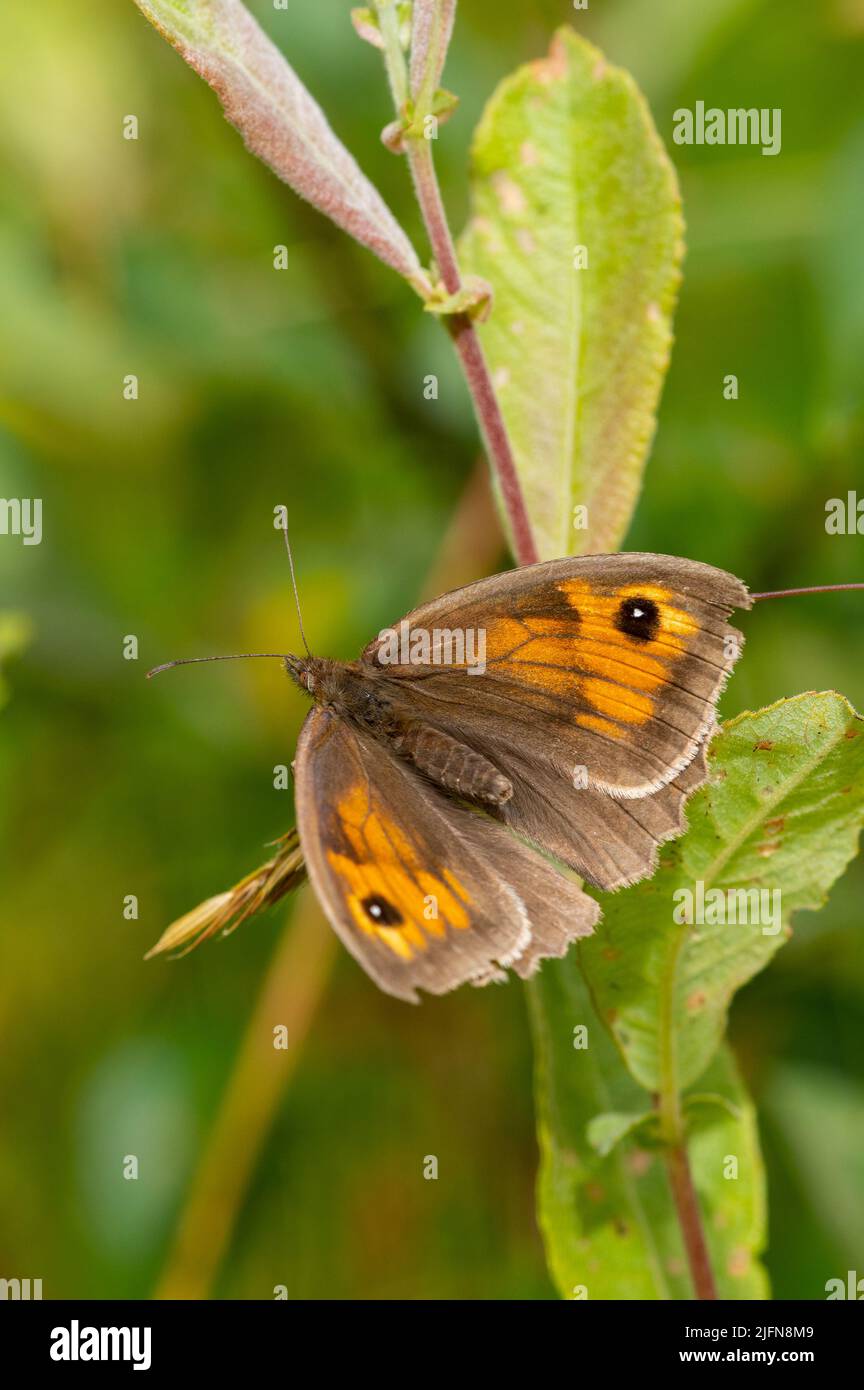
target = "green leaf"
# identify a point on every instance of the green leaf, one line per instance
(566, 156)
(780, 813)
(474, 298)
(431, 31)
(368, 25)
(608, 1221)
(608, 1129)
(280, 121)
(729, 1176)
(699, 1101)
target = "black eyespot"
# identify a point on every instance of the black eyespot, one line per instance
(382, 913)
(639, 618)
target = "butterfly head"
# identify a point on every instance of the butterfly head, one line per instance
(301, 670)
(320, 677)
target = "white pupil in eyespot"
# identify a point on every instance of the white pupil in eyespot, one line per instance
(374, 909)
(638, 612)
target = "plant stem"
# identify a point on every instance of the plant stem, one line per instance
(460, 326)
(684, 1195)
(467, 343)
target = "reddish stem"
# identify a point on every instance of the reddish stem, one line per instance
(471, 355)
(690, 1221)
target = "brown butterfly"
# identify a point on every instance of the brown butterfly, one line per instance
(438, 776)
(562, 709)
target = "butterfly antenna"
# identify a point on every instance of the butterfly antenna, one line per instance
(232, 656)
(814, 589)
(247, 656)
(284, 530)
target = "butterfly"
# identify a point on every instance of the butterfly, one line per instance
(541, 724)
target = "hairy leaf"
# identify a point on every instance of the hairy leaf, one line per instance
(280, 121)
(367, 23)
(567, 166)
(431, 30)
(780, 814)
(608, 1219)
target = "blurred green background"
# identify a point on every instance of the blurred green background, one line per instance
(305, 387)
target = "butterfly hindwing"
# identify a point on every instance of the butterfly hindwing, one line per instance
(610, 841)
(424, 892)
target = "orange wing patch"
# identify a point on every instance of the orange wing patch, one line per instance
(389, 890)
(592, 658)
(598, 614)
(627, 668)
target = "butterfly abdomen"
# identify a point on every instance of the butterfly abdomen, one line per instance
(454, 766)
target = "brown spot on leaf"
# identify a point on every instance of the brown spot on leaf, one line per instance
(851, 733)
(510, 197)
(763, 747)
(698, 999)
(739, 1262)
(557, 61)
(595, 1192)
(526, 242)
(778, 823)
(767, 848)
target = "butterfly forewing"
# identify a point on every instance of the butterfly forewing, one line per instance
(605, 668)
